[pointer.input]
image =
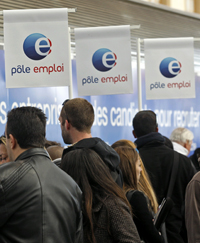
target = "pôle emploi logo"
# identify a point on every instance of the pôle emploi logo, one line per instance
(104, 60)
(37, 46)
(170, 68)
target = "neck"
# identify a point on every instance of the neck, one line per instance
(16, 153)
(79, 136)
(182, 144)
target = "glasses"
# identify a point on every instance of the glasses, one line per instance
(137, 150)
(65, 102)
(3, 139)
(64, 112)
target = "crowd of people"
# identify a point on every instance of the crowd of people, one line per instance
(91, 192)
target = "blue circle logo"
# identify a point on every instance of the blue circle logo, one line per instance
(104, 59)
(37, 46)
(170, 67)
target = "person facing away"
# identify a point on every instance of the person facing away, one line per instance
(106, 212)
(144, 184)
(182, 138)
(195, 158)
(76, 119)
(158, 160)
(3, 151)
(39, 203)
(192, 209)
(55, 152)
(130, 165)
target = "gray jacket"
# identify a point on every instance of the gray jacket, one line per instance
(192, 209)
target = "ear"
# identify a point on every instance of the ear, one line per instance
(13, 141)
(67, 125)
(187, 145)
(134, 134)
(156, 129)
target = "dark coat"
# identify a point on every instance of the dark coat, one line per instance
(143, 218)
(158, 160)
(194, 158)
(107, 154)
(39, 203)
(114, 214)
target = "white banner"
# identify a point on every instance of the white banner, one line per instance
(36, 48)
(103, 59)
(169, 68)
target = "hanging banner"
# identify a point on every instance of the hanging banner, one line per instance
(36, 48)
(169, 68)
(103, 56)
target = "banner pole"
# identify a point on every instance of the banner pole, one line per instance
(139, 76)
(70, 10)
(70, 66)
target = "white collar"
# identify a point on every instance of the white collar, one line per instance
(180, 149)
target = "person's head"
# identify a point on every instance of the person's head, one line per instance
(94, 179)
(130, 166)
(197, 155)
(77, 116)
(182, 136)
(3, 151)
(144, 123)
(49, 143)
(25, 128)
(55, 151)
(144, 184)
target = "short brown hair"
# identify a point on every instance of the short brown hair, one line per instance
(80, 113)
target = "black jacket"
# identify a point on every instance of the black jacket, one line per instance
(39, 203)
(107, 154)
(143, 218)
(158, 160)
(194, 158)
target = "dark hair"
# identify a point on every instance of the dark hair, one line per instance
(144, 122)
(80, 113)
(27, 125)
(93, 177)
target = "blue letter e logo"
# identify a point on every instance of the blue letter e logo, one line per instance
(37, 46)
(104, 59)
(170, 67)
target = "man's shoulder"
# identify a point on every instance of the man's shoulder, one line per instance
(158, 150)
(12, 172)
(10, 168)
(165, 154)
(89, 143)
(196, 178)
(184, 160)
